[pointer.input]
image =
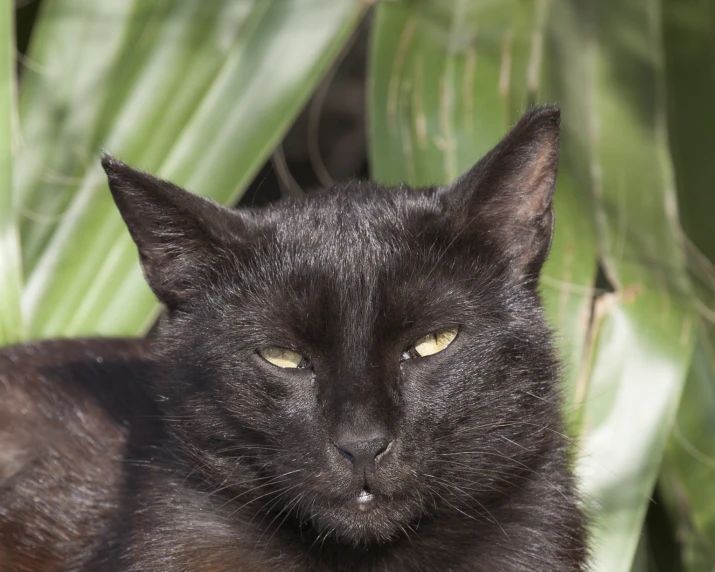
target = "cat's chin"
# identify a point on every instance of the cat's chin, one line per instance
(362, 521)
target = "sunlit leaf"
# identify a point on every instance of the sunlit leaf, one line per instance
(628, 353)
(688, 474)
(611, 68)
(11, 328)
(198, 92)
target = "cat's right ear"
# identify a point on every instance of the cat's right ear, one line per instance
(506, 199)
(179, 235)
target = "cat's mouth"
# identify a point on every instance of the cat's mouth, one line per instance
(366, 517)
(364, 501)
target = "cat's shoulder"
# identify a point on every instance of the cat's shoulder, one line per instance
(54, 393)
(47, 378)
(42, 354)
(69, 413)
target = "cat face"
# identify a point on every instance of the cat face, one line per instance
(363, 359)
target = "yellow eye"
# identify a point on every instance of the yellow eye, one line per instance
(282, 357)
(433, 343)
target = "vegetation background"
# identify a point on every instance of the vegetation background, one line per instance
(204, 93)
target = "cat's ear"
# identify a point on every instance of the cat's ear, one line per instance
(179, 235)
(507, 196)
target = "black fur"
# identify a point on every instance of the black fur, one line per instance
(191, 452)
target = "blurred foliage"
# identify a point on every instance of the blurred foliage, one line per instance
(446, 86)
(10, 270)
(198, 92)
(201, 92)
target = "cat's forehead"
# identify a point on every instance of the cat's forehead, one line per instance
(358, 252)
(355, 217)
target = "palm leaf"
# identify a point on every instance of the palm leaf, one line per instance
(688, 472)
(199, 92)
(447, 80)
(11, 326)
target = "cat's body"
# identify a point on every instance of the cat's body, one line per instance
(286, 417)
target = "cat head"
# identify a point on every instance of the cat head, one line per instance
(363, 358)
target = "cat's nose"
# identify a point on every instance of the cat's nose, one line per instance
(363, 454)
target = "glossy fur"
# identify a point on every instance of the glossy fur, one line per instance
(190, 452)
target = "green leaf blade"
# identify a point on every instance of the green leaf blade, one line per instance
(614, 155)
(688, 472)
(643, 337)
(11, 323)
(203, 109)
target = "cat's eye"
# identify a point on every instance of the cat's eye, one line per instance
(284, 358)
(431, 344)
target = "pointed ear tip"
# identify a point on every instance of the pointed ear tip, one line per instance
(544, 117)
(110, 164)
(548, 110)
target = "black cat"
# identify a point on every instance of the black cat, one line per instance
(358, 380)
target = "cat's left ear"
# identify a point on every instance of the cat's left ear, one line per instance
(507, 197)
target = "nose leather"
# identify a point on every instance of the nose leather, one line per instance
(363, 454)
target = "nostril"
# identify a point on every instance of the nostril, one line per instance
(363, 453)
(345, 454)
(383, 450)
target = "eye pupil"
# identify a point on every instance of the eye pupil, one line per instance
(409, 353)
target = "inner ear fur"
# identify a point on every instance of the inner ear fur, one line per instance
(507, 197)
